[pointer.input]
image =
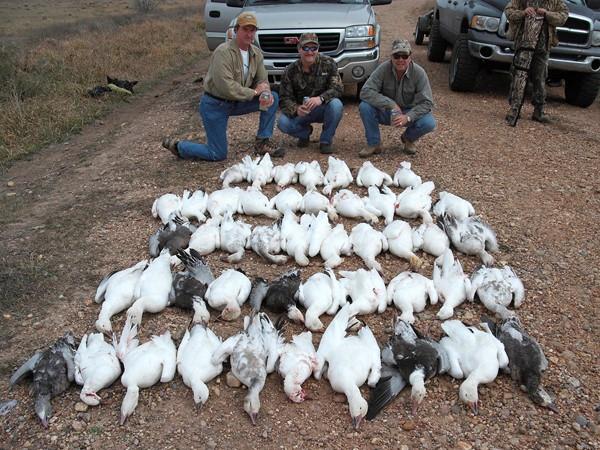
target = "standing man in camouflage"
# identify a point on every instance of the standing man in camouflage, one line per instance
(310, 92)
(554, 13)
(397, 93)
(233, 86)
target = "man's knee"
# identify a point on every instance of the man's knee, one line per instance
(284, 123)
(275, 98)
(366, 109)
(427, 123)
(336, 106)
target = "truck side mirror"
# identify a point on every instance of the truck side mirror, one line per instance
(235, 3)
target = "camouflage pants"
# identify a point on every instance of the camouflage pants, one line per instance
(538, 72)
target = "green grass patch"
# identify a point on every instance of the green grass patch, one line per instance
(44, 97)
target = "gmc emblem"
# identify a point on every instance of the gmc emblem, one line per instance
(291, 40)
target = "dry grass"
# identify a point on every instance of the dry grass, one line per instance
(45, 86)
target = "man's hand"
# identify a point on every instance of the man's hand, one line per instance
(401, 120)
(302, 110)
(313, 102)
(530, 11)
(262, 86)
(541, 12)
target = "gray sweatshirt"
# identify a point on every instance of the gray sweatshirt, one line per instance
(384, 90)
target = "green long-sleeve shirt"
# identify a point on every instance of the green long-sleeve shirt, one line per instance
(384, 90)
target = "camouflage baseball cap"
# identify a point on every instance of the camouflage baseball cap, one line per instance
(401, 46)
(306, 38)
(247, 18)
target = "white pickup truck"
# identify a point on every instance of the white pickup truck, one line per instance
(347, 29)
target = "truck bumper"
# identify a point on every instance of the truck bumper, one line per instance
(567, 60)
(353, 66)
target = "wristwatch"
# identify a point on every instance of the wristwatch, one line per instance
(408, 119)
(322, 99)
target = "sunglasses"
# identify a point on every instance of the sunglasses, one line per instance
(309, 48)
(399, 56)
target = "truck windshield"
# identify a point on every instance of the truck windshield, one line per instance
(288, 2)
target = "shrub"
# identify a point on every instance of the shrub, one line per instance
(145, 6)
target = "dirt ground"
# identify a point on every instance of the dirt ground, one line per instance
(75, 211)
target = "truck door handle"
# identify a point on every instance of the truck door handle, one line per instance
(214, 14)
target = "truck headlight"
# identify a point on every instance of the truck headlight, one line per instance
(596, 35)
(361, 36)
(360, 31)
(485, 23)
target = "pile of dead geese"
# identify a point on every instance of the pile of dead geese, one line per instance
(304, 226)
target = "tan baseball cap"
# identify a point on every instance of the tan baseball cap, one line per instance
(401, 46)
(247, 18)
(306, 38)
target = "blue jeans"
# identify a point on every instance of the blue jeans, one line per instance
(215, 115)
(372, 117)
(328, 114)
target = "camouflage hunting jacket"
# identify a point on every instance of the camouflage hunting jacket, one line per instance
(323, 79)
(556, 16)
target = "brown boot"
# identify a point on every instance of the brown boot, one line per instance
(409, 147)
(370, 151)
(262, 146)
(539, 116)
(171, 145)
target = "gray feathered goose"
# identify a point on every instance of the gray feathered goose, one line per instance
(278, 296)
(53, 371)
(526, 360)
(408, 357)
(189, 286)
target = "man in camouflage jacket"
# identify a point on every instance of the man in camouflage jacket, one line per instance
(310, 92)
(555, 13)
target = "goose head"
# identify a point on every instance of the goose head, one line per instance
(200, 394)
(358, 409)
(43, 408)
(418, 392)
(295, 315)
(468, 394)
(295, 392)
(231, 312)
(103, 325)
(252, 405)
(130, 402)
(89, 396)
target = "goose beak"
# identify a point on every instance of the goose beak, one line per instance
(356, 421)
(253, 417)
(552, 407)
(474, 407)
(414, 407)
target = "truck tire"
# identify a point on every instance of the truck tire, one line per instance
(419, 32)
(582, 90)
(463, 70)
(436, 47)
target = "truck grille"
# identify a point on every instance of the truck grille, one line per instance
(575, 32)
(274, 43)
